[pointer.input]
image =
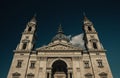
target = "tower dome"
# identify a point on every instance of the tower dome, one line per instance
(60, 35)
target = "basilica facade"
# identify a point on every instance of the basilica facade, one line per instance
(60, 58)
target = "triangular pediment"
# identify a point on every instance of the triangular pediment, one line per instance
(59, 46)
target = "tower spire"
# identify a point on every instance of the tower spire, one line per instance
(84, 14)
(60, 29)
(33, 20)
(86, 20)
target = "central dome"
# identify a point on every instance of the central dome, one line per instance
(60, 35)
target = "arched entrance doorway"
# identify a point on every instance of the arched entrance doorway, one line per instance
(59, 69)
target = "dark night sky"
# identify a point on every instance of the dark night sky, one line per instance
(14, 16)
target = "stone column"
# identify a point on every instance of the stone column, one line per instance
(68, 74)
(49, 74)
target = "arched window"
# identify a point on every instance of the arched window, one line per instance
(59, 68)
(30, 28)
(24, 45)
(89, 28)
(94, 45)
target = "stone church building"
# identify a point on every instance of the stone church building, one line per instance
(60, 58)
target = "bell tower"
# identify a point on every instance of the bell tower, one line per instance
(95, 50)
(92, 41)
(27, 41)
(23, 51)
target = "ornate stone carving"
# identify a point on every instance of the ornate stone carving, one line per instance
(59, 46)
